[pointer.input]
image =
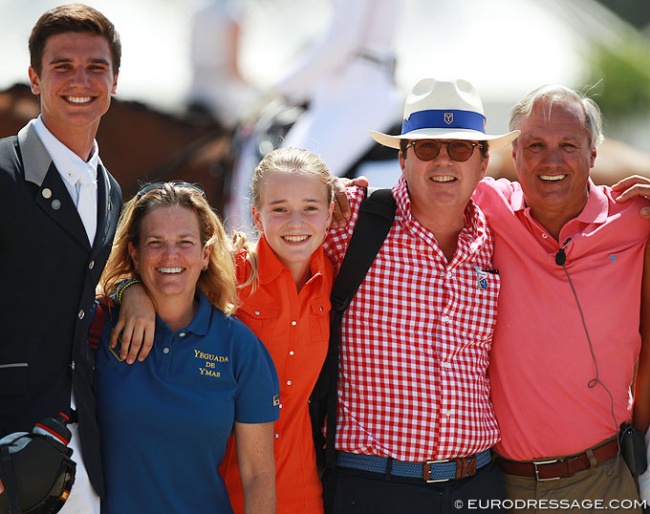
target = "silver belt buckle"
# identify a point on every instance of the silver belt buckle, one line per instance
(426, 471)
(542, 462)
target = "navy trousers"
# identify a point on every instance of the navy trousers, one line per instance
(360, 492)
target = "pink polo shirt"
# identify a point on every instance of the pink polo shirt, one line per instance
(544, 390)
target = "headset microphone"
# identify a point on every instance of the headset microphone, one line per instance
(560, 256)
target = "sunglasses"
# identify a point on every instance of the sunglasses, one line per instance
(429, 149)
(161, 185)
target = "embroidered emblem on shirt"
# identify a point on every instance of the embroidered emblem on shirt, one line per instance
(276, 400)
(481, 279)
(208, 369)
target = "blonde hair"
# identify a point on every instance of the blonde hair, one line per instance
(291, 160)
(217, 282)
(283, 160)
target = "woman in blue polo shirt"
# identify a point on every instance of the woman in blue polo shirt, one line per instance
(165, 421)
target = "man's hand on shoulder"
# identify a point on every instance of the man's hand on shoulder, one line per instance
(136, 325)
(341, 205)
(632, 187)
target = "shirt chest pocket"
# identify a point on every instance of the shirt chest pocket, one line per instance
(319, 319)
(476, 309)
(259, 316)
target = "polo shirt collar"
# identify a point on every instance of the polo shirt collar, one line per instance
(201, 321)
(595, 210)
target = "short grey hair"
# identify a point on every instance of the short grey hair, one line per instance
(552, 93)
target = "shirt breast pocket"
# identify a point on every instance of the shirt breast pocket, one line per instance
(320, 319)
(480, 308)
(258, 316)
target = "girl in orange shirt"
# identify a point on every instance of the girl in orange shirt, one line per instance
(284, 298)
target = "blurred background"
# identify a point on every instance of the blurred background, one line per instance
(504, 47)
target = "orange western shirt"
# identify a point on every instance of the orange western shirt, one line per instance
(294, 326)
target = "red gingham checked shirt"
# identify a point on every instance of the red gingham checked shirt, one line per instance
(415, 340)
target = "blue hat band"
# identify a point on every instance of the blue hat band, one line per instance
(443, 120)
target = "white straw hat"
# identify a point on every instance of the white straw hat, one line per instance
(437, 109)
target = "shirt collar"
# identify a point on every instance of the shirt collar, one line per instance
(201, 320)
(272, 267)
(68, 163)
(594, 211)
(597, 206)
(474, 217)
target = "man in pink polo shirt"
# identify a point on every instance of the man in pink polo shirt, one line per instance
(567, 336)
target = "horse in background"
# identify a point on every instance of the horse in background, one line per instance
(139, 144)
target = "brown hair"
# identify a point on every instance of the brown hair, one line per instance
(72, 18)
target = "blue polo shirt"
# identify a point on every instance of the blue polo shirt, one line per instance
(165, 421)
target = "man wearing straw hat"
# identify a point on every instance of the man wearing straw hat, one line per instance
(570, 257)
(414, 422)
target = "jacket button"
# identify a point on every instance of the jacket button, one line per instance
(81, 314)
(91, 264)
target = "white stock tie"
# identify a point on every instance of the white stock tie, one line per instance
(87, 204)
